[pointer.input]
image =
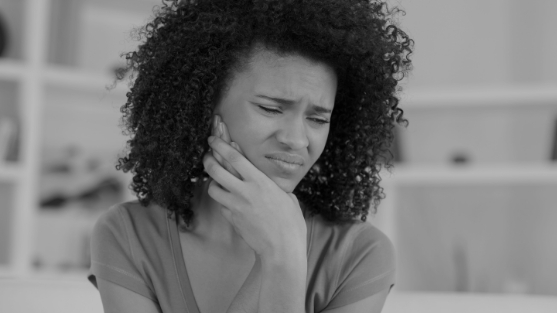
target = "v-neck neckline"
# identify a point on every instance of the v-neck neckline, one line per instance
(180, 264)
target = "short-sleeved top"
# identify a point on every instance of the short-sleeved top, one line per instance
(139, 249)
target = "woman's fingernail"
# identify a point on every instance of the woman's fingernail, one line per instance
(221, 129)
(211, 139)
(218, 122)
(225, 133)
(215, 121)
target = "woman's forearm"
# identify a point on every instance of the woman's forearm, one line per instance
(283, 283)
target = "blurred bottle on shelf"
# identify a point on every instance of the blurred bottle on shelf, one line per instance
(8, 140)
(554, 145)
(3, 35)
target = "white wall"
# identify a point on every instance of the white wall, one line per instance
(481, 42)
(477, 238)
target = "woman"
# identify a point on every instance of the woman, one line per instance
(299, 100)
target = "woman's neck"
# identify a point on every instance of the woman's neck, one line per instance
(208, 223)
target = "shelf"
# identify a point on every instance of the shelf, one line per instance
(11, 69)
(71, 275)
(67, 77)
(10, 172)
(479, 175)
(503, 96)
(75, 274)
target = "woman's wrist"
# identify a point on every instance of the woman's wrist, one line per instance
(287, 251)
(288, 260)
(283, 283)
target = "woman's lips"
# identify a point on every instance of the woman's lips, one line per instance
(286, 157)
(285, 166)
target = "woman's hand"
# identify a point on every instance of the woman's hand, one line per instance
(219, 129)
(268, 219)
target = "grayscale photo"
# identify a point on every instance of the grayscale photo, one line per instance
(278, 156)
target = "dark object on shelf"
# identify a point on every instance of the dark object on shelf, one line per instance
(460, 158)
(56, 201)
(554, 150)
(110, 186)
(11, 148)
(3, 35)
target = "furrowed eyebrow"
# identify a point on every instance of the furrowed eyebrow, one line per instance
(317, 108)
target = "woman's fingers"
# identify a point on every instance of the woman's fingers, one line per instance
(220, 195)
(215, 131)
(242, 165)
(219, 174)
(219, 129)
(235, 146)
(225, 135)
(224, 131)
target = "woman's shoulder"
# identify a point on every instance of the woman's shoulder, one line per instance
(348, 261)
(350, 231)
(134, 217)
(133, 209)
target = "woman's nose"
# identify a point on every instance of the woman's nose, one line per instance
(293, 134)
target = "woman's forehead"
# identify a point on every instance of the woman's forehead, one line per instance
(288, 76)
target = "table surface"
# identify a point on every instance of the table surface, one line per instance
(51, 294)
(399, 302)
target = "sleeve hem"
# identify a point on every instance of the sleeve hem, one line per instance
(120, 277)
(385, 281)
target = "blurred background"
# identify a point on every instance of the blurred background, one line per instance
(471, 203)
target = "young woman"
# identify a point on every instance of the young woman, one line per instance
(258, 130)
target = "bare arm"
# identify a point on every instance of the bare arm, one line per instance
(277, 283)
(373, 304)
(116, 298)
(283, 284)
(273, 286)
(247, 299)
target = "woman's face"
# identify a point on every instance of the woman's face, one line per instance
(280, 109)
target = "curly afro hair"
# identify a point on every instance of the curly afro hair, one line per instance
(190, 51)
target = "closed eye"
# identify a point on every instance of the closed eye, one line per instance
(319, 121)
(276, 112)
(270, 111)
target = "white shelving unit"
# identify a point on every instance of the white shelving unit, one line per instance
(10, 172)
(11, 70)
(476, 175)
(37, 80)
(471, 226)
(483, 98)
(65, 77)
(499, 98)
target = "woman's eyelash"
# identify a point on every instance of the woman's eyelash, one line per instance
(271, 111)
(318, 121)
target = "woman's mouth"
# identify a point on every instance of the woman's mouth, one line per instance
(287, 167)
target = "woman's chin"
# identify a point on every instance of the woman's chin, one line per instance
(287, 185)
